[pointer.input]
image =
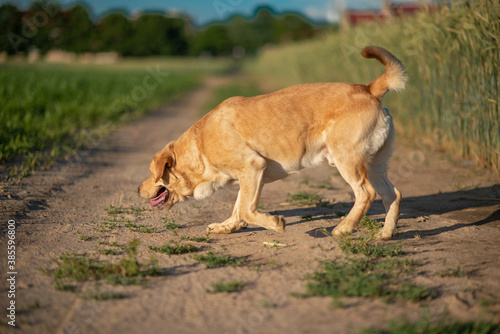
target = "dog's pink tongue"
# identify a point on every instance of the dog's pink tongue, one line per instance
(160, 199)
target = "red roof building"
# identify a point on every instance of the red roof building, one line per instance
(351, 18)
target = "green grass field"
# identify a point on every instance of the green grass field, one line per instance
(51, 111)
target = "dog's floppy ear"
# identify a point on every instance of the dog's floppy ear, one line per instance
(162, 160)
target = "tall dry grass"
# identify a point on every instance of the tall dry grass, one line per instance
(452, 57)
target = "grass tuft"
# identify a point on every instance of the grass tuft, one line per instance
(366, 278)
(104, 295)
(110, 252)
(174, 248)
(305, 198)
(196, 239)
(80, 268)
(221, 286)
(140, 228)
(452, 272)
(425, 326)
(116, 210)
(213, 260)
(370, 224)
(171, 225)
(367, 246)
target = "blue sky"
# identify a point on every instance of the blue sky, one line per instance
(204, 11)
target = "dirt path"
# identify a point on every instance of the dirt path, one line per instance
(450, 217)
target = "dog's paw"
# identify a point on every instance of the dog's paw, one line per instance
(384, 235)
(219, 229)
(342, 229)
(280, 223)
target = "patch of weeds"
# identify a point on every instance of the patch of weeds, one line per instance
(104, 295)
(117, 216)
(86, 237)
(113, 244)
(221, 286)
(266, 304)
(367, 246)
(425, 326)
(132, 271)
(213, 260)
(452, 272)
(324, 204)
(110, 252)
(136, 211)
(363, 278)
(104, 226)
(116, 210)
(370, 224)
(81, 268)
(77, 267)
(171, 225)
(64, 287)
(340, 213)
(111, 223)
(303, 198)
(174, 248)
(325, 185)
(133, 227)
(397, 265)
(196, 239)
(306, 217)
(377, 275)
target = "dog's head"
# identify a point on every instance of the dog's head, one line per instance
(165, 186)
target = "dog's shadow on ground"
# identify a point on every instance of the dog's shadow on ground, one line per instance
(476, 203)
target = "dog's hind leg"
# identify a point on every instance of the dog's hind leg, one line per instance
(354, 170)
(392, 201)
(391, 197)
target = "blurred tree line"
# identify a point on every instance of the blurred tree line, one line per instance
(45, 26)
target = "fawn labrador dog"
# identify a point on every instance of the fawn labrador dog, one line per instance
(261, 139)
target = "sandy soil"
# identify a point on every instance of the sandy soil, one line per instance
(450, 217)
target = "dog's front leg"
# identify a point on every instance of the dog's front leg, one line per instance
(232, 224)
(250, 189)
(245, 210)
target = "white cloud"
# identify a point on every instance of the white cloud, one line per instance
(329, 13)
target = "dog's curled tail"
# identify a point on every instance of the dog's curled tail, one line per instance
(394, 77)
